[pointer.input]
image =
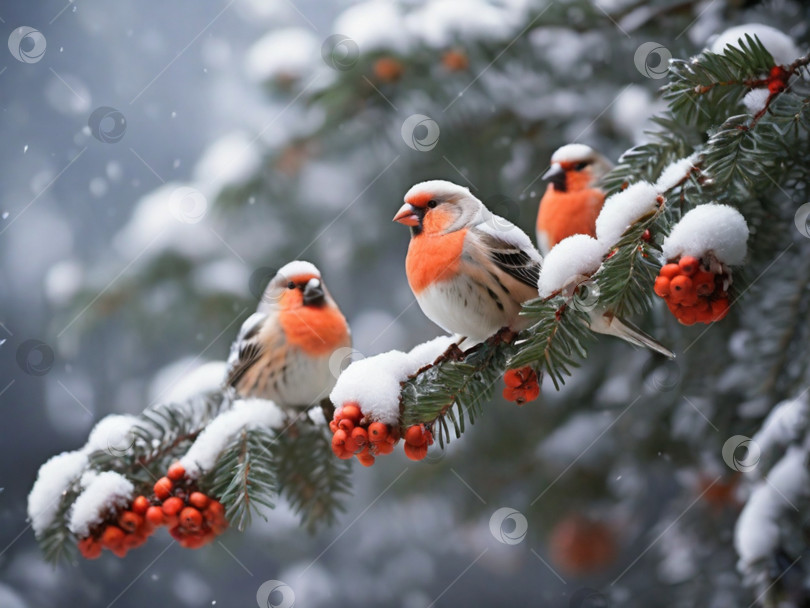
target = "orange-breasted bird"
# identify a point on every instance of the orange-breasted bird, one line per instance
(469, 269)
(573, 199)
(283, 350)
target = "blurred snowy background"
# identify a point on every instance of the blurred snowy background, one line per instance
(232, 145)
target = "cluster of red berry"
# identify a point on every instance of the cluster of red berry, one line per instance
(693, 293)
(193, 518)
(355, 436)
(417, 439)
(522, 385)
(126, 530)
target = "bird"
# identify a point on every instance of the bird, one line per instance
(573, 198)
(284, 350)
(469, 269)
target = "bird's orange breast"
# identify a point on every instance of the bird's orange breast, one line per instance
(315, 330)
(562, 214)
(433, 258)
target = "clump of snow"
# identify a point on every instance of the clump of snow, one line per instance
(285, 53)
(374, 384)
(571, 153)
(63, 281)
(155, 227)
(786, 424)
(719, 229)
(374, 26)
(112, 434)
(246, 414)
(441, 23)
(755, 100)
(54, 477)
(756, 535)
(103, 494)
(624, 209)
(427, 352)
(675, 172)
(779, 45)
(230, 160)
(575, 256)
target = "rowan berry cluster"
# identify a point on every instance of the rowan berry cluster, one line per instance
(693, 292)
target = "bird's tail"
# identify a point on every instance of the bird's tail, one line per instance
(609, 324)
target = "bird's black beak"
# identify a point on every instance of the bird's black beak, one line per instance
(314, 294)
(556, 175)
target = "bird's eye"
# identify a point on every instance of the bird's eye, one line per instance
(432, 204)
(580, 166)
(291, 285)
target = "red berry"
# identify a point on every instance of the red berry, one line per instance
(112, 537)
(140, 505)
(199, 500)
(351, 411)
(365, 457)
(415, 435)
(415, 452)
(679, 287)
(688, 265)
(176, 472)
(704, 282)
(360, 437)
(346, 424)
(154, 515)
(90, 548)
(377, 431)
(661, 287)
(130, 521)
(163, 488)
(382, 447)
(172, 506)
(670, 271)
(191, 518)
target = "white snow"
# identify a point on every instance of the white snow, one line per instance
(624, 209)
(756, 534)
(786, 424)
(441, 23)
(717, 228)
(231, 160)
(63, 281)
(675, 172)
(427, 352)
(575, 256)
(374, 26)
(571, 153)
(222, 276)
(778, 44)
(103, 494)
(154, 228)
(284, 53)
(374, 384)
(112, 433)
(245, 414)
(755, 100)
(54, 477)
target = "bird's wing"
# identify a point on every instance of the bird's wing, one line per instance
(510, 249)
(247, 348)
